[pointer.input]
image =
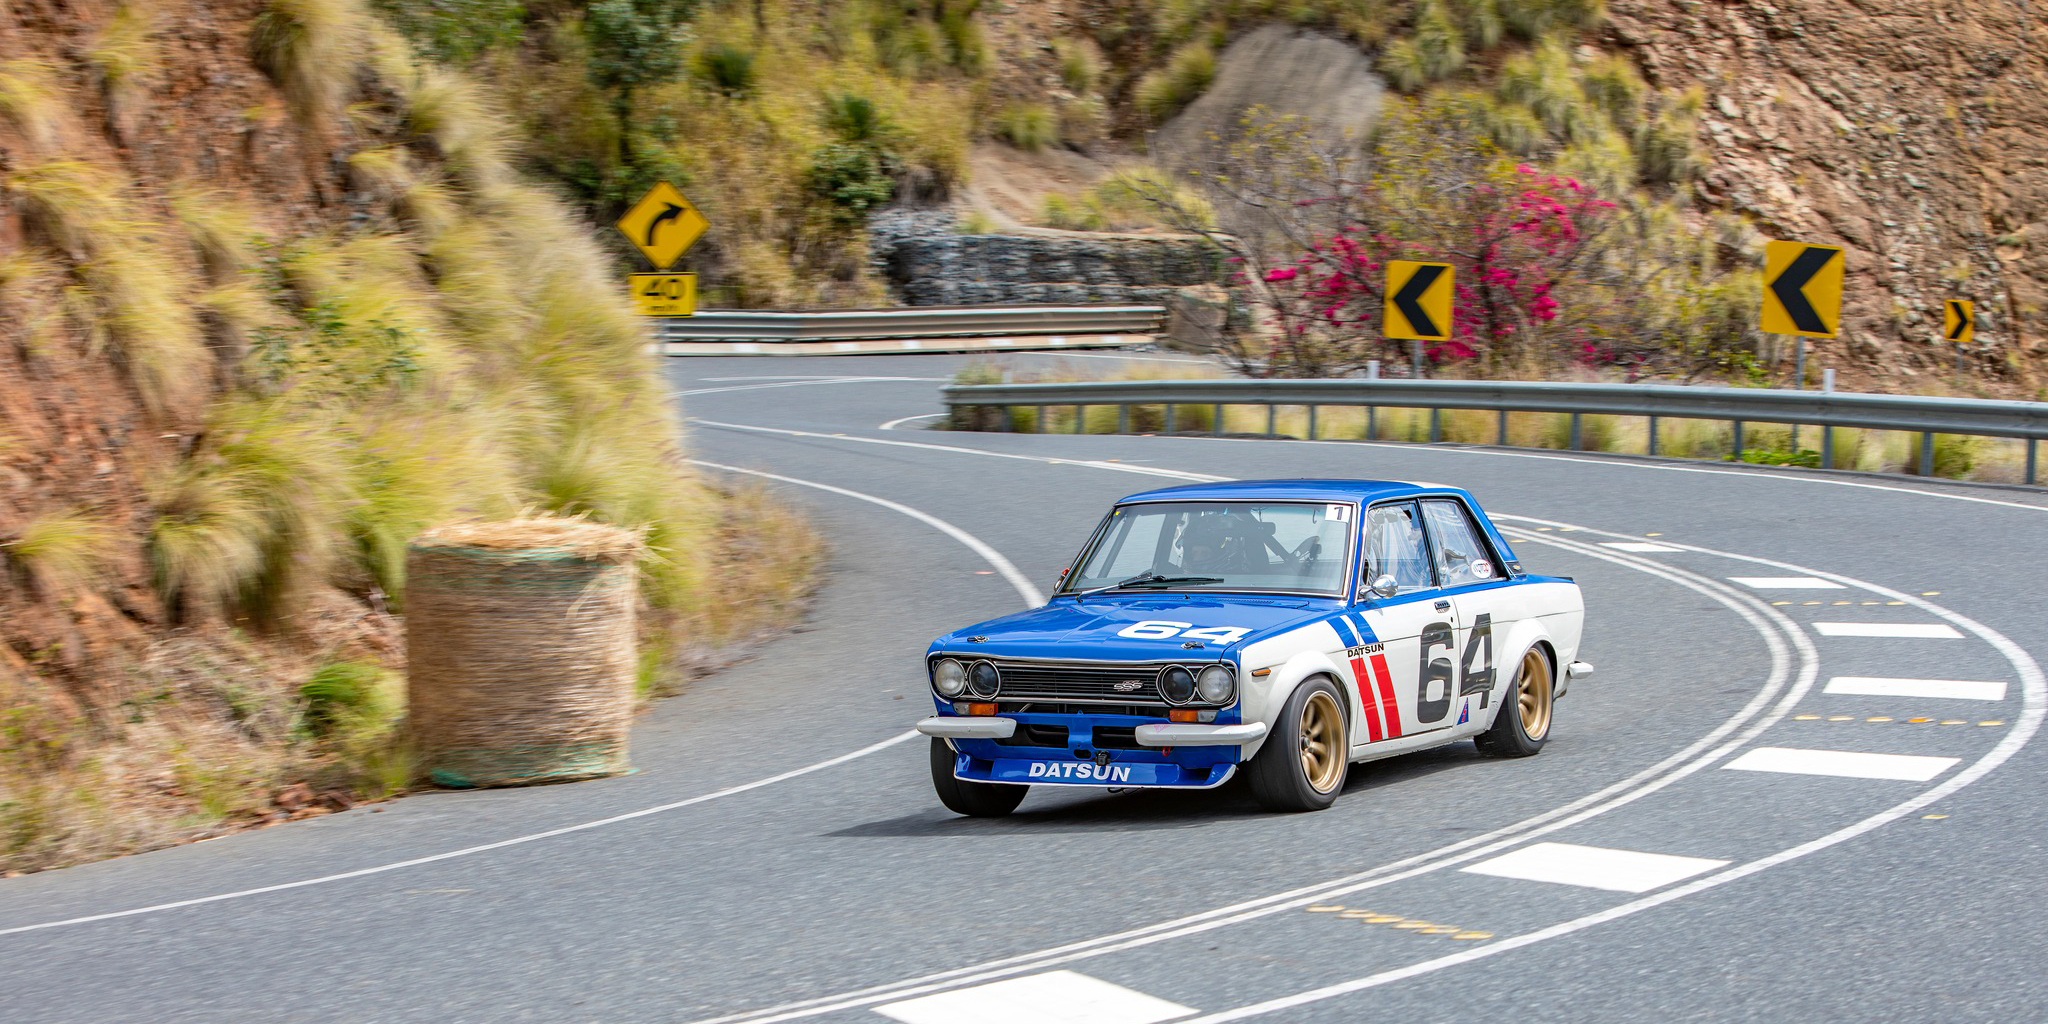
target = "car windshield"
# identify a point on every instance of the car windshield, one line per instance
(1287, 547)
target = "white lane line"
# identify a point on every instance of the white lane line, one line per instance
(1595, 867)
(1847, 764)
(1002, 565)
(893, 424)
(1055, 997)
(1911, 630)
(1940, 689)
(802, 384)
(1641, 547)
(472, 850)
(1030, 594)
(1171, 474)
(1771, 703)
(1786, 583)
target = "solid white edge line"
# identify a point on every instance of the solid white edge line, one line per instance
(803, 383)
(1171, 474)
(469, 850)
(1684, 762)
(893, 424)
(1003, 566)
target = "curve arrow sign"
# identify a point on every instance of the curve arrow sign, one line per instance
(1960, 321)
(1418, 300)
(1802, 289)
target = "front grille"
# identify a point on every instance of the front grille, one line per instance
(1080, 682)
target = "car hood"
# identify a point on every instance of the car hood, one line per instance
(1090, 628)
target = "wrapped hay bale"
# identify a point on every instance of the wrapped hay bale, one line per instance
(520, 647)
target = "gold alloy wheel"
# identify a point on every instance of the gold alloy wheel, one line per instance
(1322, 742)
(1533, 694)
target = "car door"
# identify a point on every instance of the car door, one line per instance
(1476, 583)
(1404, 662)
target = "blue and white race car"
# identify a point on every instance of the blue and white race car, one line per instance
(1288, 627)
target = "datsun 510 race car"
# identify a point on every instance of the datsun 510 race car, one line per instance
(1288, 627)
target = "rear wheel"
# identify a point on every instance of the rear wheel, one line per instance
(1522, 724)
(1302, 765)
(974, 799)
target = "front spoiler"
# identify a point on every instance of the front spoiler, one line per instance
(1116, 774)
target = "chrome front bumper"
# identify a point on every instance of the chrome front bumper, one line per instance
(1175, 735)
(966, 728)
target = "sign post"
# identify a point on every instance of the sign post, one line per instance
(1418, 305)
(1802, 293)
(663, 226)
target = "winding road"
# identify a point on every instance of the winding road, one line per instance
(1802, 786)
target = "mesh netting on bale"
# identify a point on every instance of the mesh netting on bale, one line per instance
(520, 646)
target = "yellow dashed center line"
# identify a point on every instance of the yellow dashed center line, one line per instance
(1399, 922)
(1324, 910)
(1991, 723)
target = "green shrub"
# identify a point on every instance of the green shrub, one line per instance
(347, 695)
(1162, 93)
(853, 179)
(1080, 64)
(1028, 126)
(855, 119)
(728, 69)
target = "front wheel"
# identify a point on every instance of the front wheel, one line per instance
(974, 799)
(1522, 724)
(1303, 763)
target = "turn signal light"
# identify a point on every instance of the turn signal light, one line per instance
(974, 709)
(1182, 716)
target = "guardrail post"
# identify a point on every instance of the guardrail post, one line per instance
(1436, 425)
(1502, 432)
(1216, 419)
(1653, 435)
(1372, 422)
(1927, 453)
(1123, 418)
(1272, 419)
(1003, 419)
(1080, 418)
(2030, 461)
(1169, 417)
(1578, 432)
(1738, 441)
(1827, 447)
(1311, 422)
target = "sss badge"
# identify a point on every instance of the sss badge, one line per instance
(664, 294)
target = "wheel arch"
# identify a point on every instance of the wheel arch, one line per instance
(1281, 686)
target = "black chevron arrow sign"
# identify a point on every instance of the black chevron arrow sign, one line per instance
(1802, 289)
(1418, 300)
(1962, 323)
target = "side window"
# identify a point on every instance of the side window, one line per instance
(1461, 556)
(1393, 547)
(1131, 548)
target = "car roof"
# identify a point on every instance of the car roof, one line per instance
(1362, 491)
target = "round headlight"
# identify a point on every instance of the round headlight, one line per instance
(949, 677)
(983, 679)
(1216, 684)
(1177, 685)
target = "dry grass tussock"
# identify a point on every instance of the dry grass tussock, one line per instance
(461, 356)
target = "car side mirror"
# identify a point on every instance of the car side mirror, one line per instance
(1384, 586)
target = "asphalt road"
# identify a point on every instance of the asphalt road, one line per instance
(779, 855)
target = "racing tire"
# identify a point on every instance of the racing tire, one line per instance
(974, 799)
(1303, 764)
(1522, 725)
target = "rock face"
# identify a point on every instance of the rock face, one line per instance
(1915, 134)
(1287, 72)
(956, 270)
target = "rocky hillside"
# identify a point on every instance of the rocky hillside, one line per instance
(1913, 133)
(273, 299)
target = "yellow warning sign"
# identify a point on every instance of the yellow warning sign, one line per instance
(1959, 320)
(1418, 300)
(664, 294)
(663, 225)
(1802, 289)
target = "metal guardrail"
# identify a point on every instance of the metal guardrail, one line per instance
(909, 323)
(1825, 409)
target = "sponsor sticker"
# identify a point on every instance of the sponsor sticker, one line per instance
(1079, 771)
(1360, 652)
(1337, 513)
(1482, 569)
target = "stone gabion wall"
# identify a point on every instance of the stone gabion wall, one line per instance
(947, 270)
